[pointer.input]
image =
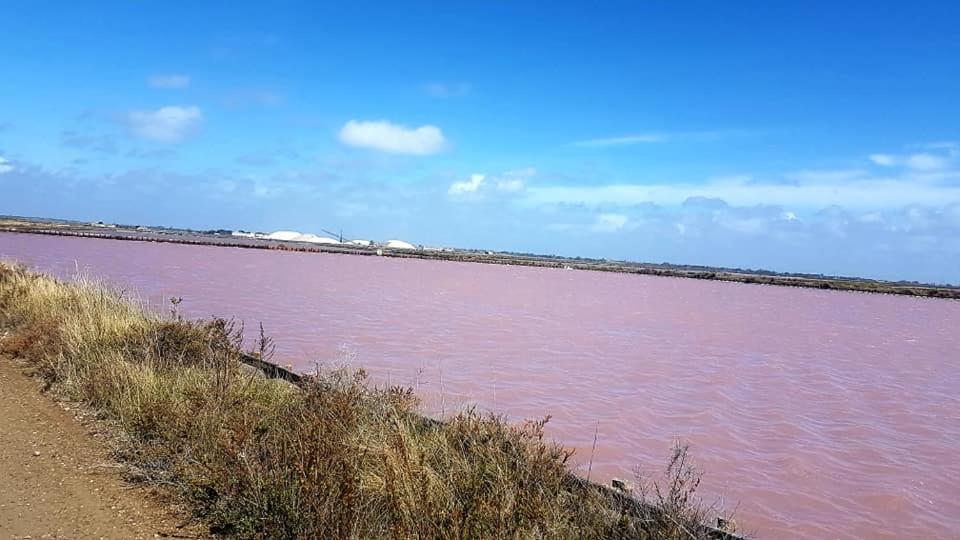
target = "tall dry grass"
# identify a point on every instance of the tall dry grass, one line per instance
(334, 457)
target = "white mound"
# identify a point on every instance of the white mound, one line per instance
(314, 239)
(286, 236)
(294, 236)
(365, 243)
(398, 244)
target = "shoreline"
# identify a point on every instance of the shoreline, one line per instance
(38, 226)
(272, 370)
(197, 413)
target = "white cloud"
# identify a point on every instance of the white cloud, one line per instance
(5, 165)
(921, 161)
(467, 187)
(393, 138)
(609, 223)
(861, 192)
(926, 162)
(752, 221)
(169, 81)
(166, 124)
(510, 182)
(885, 160)
(447, 90)
(514, 181)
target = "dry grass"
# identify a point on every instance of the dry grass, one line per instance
(334, 458)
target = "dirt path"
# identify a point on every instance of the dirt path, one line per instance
(57, 479)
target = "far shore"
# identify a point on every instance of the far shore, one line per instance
(223, 238)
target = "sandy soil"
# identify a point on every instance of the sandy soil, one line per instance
(57, 479)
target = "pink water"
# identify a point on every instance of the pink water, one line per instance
(819, 414)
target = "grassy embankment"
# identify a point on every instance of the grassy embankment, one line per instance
(334, 457)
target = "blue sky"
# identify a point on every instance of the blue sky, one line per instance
(815, 137)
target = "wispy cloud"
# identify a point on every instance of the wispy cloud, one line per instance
(930, 177)
(393, 138)
(830, 175)
(937, 156)
(152, 153)
(625, 140)
(256, 160)
(884, 160)
(509, 182)
(863, 192)
(170, 81)
(467, 187)
(515, 180)
(5, 165)
(447, 89)
(646, 138)
(919, 161)
(609, 223)
(167, 124)
(102, 143)
(510, 185)
(253, 97)
(952, 148)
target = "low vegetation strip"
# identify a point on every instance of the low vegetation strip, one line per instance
(330, 457)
